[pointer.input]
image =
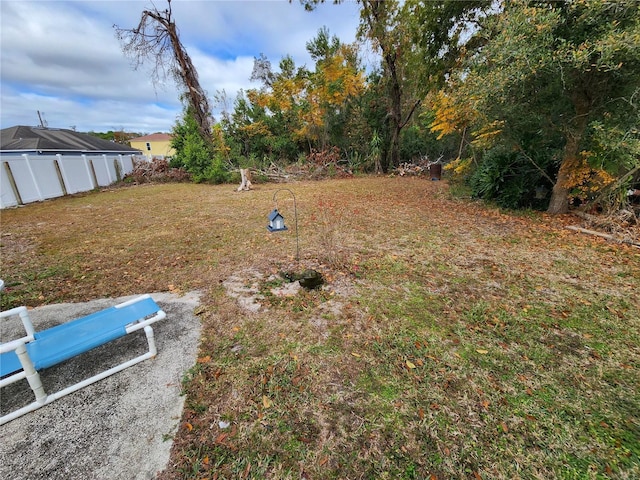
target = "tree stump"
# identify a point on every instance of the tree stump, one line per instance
(245, 184)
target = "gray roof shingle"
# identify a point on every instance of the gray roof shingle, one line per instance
(22, 138)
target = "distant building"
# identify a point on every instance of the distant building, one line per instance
(154, 145)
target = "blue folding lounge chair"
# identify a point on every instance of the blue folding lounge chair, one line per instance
(25, 357)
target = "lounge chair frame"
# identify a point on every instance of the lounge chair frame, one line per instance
(24, 357)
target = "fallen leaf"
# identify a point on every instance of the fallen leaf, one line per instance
(266, 401)
(482, 352)
(410, 365)
(356, 354)
(206, 359)
(504, 427)
(189, 426)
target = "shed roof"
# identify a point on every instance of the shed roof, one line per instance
(39, 139)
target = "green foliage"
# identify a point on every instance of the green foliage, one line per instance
(508, 178)
(614, 146)
(438, 31)
(120, 136)
(419, 141)
(195, 155)
(560, 76)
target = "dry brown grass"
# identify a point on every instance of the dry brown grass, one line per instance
(452, 340)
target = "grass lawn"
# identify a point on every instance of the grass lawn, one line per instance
(451, 340)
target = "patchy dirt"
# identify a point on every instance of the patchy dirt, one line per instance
(244, 286)
(251, 286)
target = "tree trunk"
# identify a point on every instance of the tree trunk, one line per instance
(245, 184)
(186, 72)
(559, 202)
(197, 96)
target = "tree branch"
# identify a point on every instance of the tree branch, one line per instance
(544, 174)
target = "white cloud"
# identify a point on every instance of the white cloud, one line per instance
(63, 58)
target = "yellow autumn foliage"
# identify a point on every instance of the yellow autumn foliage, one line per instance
(451, 115)
(459, 166)
(583, 179)
(486, 136)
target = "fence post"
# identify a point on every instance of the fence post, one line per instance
(61, 174)
(117, 168)
(90, 171)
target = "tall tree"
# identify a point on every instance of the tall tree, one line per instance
(381, 24)
(156, 38)
(440, 32)
(337, 79)
(559, 69)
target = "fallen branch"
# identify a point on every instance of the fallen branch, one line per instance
(603, 235)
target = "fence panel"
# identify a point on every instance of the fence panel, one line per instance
(126, 164)
(76, 173)
(25, 182)
(102, 172)
(7, 195)
(46, 176)
(36, 177)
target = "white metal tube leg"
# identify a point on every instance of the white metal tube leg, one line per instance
(31, 374)
(150, 339)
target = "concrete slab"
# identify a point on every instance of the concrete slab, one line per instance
(118, 428)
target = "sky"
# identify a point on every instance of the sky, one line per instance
(62, 58)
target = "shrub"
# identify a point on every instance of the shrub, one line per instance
(508, 178)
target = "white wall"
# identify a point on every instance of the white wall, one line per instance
(31, 178)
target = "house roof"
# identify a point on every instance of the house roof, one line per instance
(39, 139)
(154, 137)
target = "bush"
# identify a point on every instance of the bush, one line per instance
(508, 178)
(216, 172)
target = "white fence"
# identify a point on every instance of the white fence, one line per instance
(31, 178)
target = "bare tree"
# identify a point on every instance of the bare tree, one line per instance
(156, 38)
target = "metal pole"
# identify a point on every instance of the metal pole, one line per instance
(295, 214)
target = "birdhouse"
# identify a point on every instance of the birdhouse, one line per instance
(276, 222)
